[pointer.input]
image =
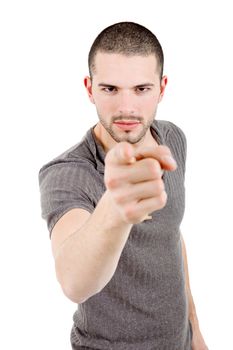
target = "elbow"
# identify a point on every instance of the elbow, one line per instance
(69, 288)
(66, 281)
(75, 294)
(74, 288)
(73, 291)
(72, 294)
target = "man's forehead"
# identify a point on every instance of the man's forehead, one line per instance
(112, 64)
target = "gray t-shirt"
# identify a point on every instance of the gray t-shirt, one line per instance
(144, 306)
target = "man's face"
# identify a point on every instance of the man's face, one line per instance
(126, 91)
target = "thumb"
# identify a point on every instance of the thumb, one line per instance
(126, 152)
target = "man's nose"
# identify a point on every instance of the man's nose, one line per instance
(126, 104)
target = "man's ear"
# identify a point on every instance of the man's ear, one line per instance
(88, 86)
(162, 87)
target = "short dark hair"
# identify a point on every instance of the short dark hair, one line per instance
(127, 38)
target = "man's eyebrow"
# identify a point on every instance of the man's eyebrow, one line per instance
(145, 84)
(106, 85)
(137, 86)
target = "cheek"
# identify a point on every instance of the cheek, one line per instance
(104, 107)
(149, 104)
(105, 104)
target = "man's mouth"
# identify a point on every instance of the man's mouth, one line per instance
(127, 125)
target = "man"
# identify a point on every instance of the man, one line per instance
(126, 269)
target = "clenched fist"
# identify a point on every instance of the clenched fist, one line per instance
(133, 179)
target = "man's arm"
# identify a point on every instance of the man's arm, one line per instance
(198, 342)
(87, 248)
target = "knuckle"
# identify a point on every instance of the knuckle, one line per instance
(129, 213)
(162, 199)
(154, 168)
(111, 182)
(160, 186)
(119, 198)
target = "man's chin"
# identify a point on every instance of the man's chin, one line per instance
(127, 138)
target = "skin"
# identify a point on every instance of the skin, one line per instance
(120, 94)
(130, 89)
(125, 95)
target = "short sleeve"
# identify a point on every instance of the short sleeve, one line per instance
(64, 186)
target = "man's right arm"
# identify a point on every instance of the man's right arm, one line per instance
(87, 247)
(86, 257)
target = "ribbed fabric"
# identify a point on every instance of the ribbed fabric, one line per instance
(144, 305)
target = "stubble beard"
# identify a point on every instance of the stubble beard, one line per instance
(127, 135)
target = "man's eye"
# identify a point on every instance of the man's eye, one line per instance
(109, 89)
(143, 89)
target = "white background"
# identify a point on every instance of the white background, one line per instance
(45, 110)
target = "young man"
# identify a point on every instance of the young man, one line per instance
(126, 269)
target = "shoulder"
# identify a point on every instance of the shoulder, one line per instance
(171, 130)
(171, 135)
(80, 156)
(174, 137)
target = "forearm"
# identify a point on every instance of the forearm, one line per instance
(88, 259)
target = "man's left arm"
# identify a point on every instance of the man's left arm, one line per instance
(198, 342)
